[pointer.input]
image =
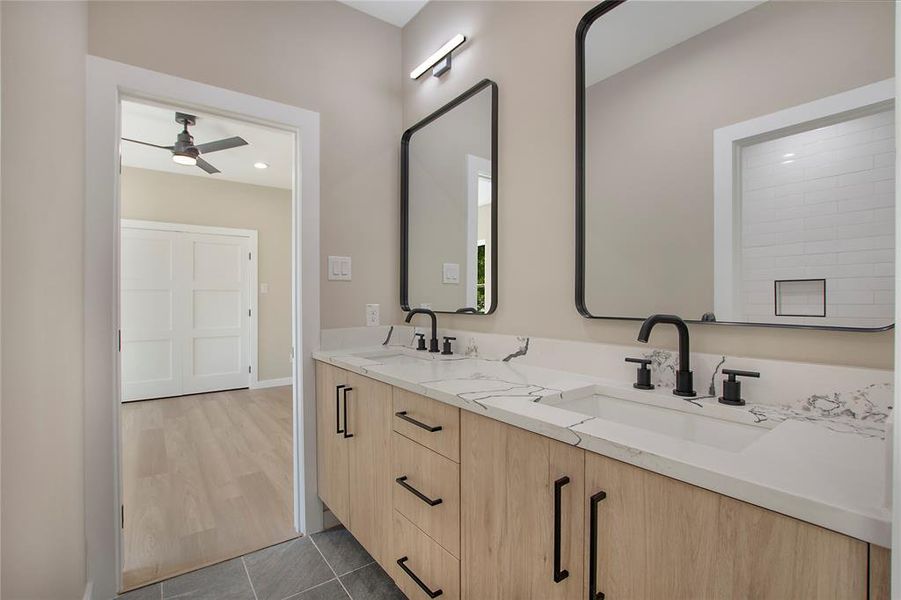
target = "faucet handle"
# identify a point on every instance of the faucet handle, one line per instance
(421, 344)
(641, 361)
(447, 345)
(643, 381)
(732, 386)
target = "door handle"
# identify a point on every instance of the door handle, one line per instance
(338, 408)
(401, 563)
(593, 594)
(347, 434)
(559, 574)
(402, 481)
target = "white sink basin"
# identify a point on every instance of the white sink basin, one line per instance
(725, 435)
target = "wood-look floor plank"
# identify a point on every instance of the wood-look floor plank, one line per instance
(205, 478)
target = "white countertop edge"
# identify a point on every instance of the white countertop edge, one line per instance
(872, 526)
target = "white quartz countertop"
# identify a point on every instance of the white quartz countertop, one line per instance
(819, 472)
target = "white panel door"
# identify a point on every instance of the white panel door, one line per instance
(217, 313)
(151, 361)
(186, 321)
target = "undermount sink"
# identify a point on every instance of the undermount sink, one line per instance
(718, 433)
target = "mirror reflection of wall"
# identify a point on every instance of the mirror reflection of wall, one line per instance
(739, 162)
(450, 208)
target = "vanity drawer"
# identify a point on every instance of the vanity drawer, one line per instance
(421, 567)
(429, 492)
(431, 423)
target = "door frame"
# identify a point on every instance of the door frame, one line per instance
(251, 286)
(107, 82)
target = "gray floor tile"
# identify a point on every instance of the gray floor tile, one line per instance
(286, 569)
(150, 592)
(371, 583)
(341, 550)
(225, 581)
(327, 591)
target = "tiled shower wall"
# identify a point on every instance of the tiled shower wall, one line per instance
(820, 205)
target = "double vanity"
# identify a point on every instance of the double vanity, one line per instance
(478, 478)
(732, 165)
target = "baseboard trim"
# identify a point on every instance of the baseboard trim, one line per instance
(268, 383)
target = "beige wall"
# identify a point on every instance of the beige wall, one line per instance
(42, 156)
(528, 49)
(159, 196)
(649, 140)
(322, 56)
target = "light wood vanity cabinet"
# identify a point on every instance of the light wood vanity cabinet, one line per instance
(510, 479)
(522, 516)
(353, 427)
(661, 538)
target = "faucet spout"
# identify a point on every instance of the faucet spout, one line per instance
(684, 383)
(433, 342)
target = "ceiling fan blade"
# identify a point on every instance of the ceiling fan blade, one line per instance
(232, 142)
(169, 148)
(207, 166)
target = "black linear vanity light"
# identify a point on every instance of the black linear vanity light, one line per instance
(441, 59)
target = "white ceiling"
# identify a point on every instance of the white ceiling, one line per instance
(156, 124)
(639, 29)
(396, 12)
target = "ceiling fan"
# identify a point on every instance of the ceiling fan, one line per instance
(184, 152)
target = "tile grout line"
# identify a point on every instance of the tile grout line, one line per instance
(341, 583)
(296, 594)
(249, 580)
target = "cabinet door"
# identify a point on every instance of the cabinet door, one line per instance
(508, 515)
(661, 538)
(369, 422)
(331, 445)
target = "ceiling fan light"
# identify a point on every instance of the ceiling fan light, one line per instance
(184, 159)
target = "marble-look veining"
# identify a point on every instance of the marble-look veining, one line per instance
(820, 458)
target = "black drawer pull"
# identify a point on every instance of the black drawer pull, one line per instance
(559, 574)
(402, 481)
(593, 594)
(403, 415)
(419, 582)
(338, 389)
(347, 434)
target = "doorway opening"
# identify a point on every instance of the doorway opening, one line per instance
(206, 368)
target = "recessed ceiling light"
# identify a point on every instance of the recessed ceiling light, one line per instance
(788, 155)
(261, 165)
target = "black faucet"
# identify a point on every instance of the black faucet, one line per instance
(433, 343)
(684, 384)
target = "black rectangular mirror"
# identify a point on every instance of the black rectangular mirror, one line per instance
(735, 162)
(448, 254)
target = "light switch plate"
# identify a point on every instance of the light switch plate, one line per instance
(339, 268)
(372, 315)
(451, 273)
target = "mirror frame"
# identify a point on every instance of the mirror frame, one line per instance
(405, 195)
(581, 33)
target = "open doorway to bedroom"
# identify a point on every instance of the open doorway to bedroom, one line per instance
(206, 415)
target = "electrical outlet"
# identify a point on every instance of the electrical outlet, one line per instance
(372, 315)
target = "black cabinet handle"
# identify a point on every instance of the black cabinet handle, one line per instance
(347, 434)
(402, 481)
(419, 582)
(559, 574)
(338, 389)
(403, 415)
(593, 594)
